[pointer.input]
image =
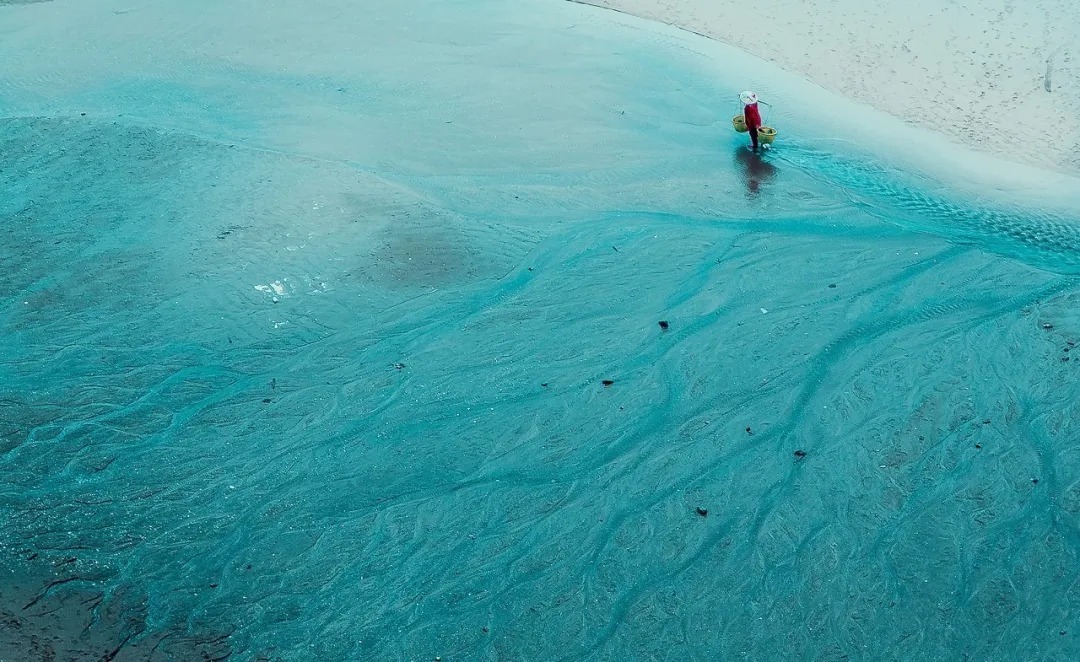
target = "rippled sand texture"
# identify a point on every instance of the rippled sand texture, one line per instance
(306, 325)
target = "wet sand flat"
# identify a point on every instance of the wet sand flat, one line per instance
(333, 331)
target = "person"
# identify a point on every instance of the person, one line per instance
(752, 116)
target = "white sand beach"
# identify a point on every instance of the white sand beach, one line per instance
(1000, 76)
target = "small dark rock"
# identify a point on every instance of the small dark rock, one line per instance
(664, 325)
(1064, 359)
(608, 382)
(266, 400)
(800, 453)
(702, 511)
(1070, 343)
(82, 114)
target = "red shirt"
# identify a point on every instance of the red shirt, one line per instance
(753, 117)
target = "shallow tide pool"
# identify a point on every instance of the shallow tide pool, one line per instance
(373, 331)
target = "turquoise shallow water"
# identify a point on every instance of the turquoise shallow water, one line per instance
(306, 324)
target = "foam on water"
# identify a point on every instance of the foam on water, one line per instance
(304, 355)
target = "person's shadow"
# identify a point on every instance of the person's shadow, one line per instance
(754, 168)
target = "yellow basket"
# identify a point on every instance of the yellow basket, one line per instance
(740, 123)
(766, 134)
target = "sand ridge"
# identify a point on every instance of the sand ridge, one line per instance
(1000, 76)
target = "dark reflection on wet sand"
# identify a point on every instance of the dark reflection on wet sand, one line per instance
(754, 168)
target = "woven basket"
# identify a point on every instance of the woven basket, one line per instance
(766, 134)
(740, 123)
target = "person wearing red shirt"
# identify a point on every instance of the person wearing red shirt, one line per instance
(752, 116)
